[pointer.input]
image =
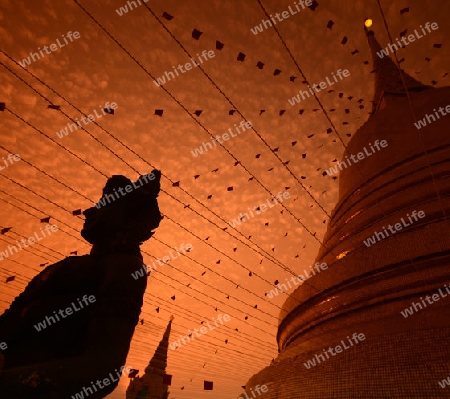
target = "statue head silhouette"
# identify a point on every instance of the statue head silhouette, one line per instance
(126, 213)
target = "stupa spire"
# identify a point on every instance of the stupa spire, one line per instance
(159, 359)
(387, 75)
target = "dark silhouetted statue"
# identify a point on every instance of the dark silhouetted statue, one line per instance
(69, 332)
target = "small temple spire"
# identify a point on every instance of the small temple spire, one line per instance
(387, 74)
(151, 385)
(159, 359)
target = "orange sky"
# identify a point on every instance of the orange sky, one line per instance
(93, 70)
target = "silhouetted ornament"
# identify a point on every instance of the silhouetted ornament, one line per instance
(109, 111)
(330, 24)
(260, 65)
(45, 220)
(276, 72)
(344, 40)
(86, 346)
(231, 112)
(133, 373)
(292, 78)
(2, 106)
(219, 45)
(241, 57)
(76, 212)
(11, 278)
(198, 112)
(167, 16)
(5, 230)
(230, 188)
(167, 379)
(159, 112)
(282, 111)
(207, 385)
(403, 10)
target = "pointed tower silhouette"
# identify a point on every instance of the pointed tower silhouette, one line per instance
(388, 79)
(369, 284)
(150, 385)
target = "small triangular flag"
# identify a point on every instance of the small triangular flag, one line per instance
(196, 34)
(167, 16)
